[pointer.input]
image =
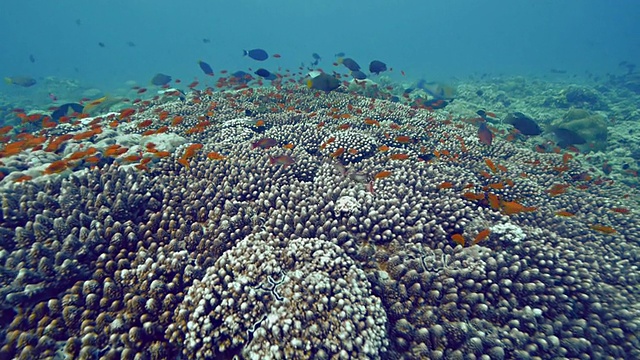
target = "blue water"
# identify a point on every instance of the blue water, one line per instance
(435, 40)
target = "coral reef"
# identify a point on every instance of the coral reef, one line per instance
(333, 256)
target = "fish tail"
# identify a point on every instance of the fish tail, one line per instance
(245, 53)
(8, 80)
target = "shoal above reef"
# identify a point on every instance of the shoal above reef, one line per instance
(220, 248)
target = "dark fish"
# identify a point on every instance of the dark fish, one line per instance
(160, 79)
(316, 56)
(484, 134)
(340, 54)
(426, 157)
(31, 58)
(557, 71)
(437, 90)
(257, 54)
(23, 81)
(263, 73)
(358, 75)
(350, 64)
(66, 109)
(242, 77)
(264, 143)
(206, 41)
(487, 116)
(131, 44)
(284, 160)
(523, 123)
(376, 67)
(568, 137)
(78, 22)
(101, 44)
(435, 103)
(323, 82)
(206, 68)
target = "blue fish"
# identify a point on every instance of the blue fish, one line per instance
(257, 54)
(262, 72)
(206, 68)
(377, 66)
(359, 75)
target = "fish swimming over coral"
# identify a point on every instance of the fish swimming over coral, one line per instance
(257, 54)
(24, 81)
(323, 81)
(160, 79)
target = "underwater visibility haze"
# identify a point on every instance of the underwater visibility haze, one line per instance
(319, 180)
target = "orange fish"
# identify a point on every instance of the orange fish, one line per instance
(481, 236)
(191, 150)
(5, 129)
(76, 155)
(491, 165)
(144, 124)
(92, 159)
(485, 136)
(458, 238)
(494, 201)
(132, 158)
(177, 120)
(126, 113)
(56, 167)
(163, 115)
(557, 189)
(162, 154)
(512, 207)
(473, 196)
(445, 185)
(383, 148)
(215, 156)
(402, 139)
(382, 174)
(564, 213)
(84, 135)
(337, 153)
(603, 229)
(22, 178)
(183, 162)
(621, 210)
(399, 156)
(372, 122)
